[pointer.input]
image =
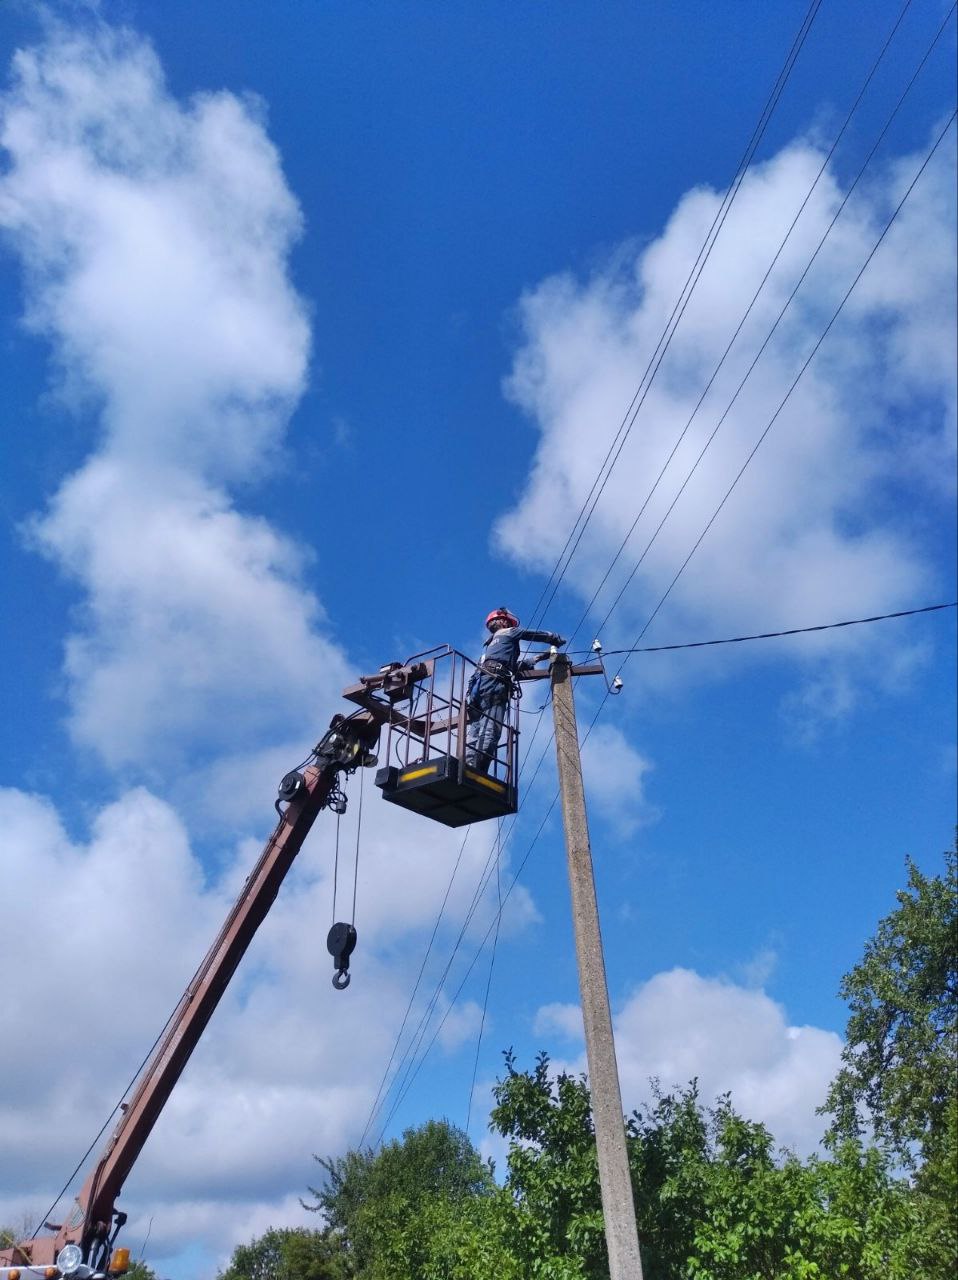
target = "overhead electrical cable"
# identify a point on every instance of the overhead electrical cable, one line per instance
(788, 234)
(405, 1061)
(412, 997)
(788, 302)
(404, 1088)
(485, 998)
(808, 360)
(493, 925)
(774, 635)
(625, 427)
(704, 253)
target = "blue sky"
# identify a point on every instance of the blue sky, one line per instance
(317, 323)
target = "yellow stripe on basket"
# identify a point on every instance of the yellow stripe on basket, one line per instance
(417, 773)
(484, 781)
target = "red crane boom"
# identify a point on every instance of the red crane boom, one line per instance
(94, 1221)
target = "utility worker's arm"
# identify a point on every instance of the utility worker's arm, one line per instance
(541, 637)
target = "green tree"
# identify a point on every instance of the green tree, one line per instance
(372, 1198)
(901, 1056)
(289, 1254)
(899, 1070)
(713, 1200)
(141, 1271)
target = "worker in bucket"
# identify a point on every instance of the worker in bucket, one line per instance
(492, 683)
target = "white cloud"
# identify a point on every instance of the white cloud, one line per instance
(810, 534)
(154, 237)
(559, 1019)
(288, 1067)
(614, 774)
(680, 1026)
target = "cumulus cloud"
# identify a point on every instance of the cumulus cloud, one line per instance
(614, 774)
(821, 525)
(288, 1067)
(680, 1026)
(154, 237)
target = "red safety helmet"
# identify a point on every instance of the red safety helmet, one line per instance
(502, 614)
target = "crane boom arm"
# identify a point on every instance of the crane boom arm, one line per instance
(342, 749)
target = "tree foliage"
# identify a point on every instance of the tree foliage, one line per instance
(141, 1271)
(899, 1072)
(289, 1254)
(901, 1055)
(715, 1199)
(376, 1199)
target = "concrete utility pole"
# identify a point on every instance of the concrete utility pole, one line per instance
(618, 1206)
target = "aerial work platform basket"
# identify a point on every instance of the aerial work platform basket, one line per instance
(422, 706)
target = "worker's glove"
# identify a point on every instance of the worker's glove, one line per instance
(557, 640)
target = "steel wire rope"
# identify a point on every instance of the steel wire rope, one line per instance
(648, 546)
(336, 866)
(738, 329)
(359, 828)
(678, 311)
(755, 448)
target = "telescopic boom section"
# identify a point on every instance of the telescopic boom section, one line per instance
(344, 748)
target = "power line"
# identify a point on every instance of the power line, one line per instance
(493, 928)
(788, 302)
(412, 997)
(404, 1083)
(778, 252)
(657, 356)
(774, 635)
(678, 310)
(485, 998)
(404, 1064)
(808, 360)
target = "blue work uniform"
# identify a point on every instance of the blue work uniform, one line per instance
(491, 687)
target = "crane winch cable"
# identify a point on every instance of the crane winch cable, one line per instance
(678, 310)
(848, 118)
(336, 866)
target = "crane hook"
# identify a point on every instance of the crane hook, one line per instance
(340, 943)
